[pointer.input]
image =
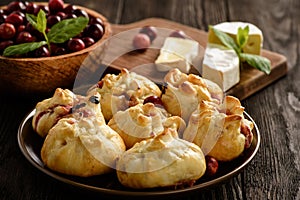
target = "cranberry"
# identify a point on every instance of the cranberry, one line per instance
(61, 14)
(56, 5)
(212, 166)
(53, 19)
(141, 41)
(79, 12)
(7, 31)
(100, 84)
(153, 99)
(2, 18)
(70, 16)
(21, 28)
(19, 13)
(88, 41)
(24, 37)
(178, 33)
(245, 130)
(150, 31)
(15, 5)
(60, 51)
(32, 8)
(4, 44)
(26, 3)
(14, 19)
(42, 52)
(76, 44)
(94, 31)
(96, 20)
(44, 8)
(69, 9)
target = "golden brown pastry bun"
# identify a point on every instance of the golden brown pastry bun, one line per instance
(82, 144)
(217, 129)
(118, 92)
(49, 111)
(184, 92)
(143, 121)
(165, 160)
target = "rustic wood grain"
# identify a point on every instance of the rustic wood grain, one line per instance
(275, 171)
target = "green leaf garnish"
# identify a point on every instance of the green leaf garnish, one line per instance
(59, 33)
(22, 48)
(226, 40)
(41, 21)
(32, 19)
(261, 63)
(242, 36)
(66, 29)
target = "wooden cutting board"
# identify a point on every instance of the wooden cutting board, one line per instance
(120, 54)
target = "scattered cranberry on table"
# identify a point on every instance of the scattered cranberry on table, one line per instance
(150, 31)
(212, 166)
(178, 34)
(15, 29)
(141, 41)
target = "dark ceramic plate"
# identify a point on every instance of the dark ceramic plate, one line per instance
(30, 144)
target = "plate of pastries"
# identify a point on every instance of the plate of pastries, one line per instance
(129, 136)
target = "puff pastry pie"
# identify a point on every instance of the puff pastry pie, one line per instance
(82, 144)
(165, 160)
(220, 129)
(143, 121)
(118, 92)
(49, 111)
(184, 92)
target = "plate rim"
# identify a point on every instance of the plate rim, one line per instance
(135, 193)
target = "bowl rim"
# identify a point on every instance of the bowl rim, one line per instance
(106, 35)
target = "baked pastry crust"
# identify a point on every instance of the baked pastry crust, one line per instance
(143, 121)
(184, 92)
(217, 129)
(165, 160)
(118, 92)
(49, 111)
(82, 144)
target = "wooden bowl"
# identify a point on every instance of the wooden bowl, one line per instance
(41, 76)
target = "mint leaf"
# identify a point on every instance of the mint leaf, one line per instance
(259, 62)
(32, 20)
(226, 40)
(242, 36)
(66, 29)
(22, 48)
(41, 21)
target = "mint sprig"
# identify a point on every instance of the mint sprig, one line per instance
(59, 33)
(261, 63)
(23, 48)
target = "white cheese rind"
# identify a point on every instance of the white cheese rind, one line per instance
(177, 53)
(255, 40)
(221, 66)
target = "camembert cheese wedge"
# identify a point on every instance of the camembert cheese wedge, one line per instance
(255, 40)
(221, 66)
(177, 53)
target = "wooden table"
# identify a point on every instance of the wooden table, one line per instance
(275, 171)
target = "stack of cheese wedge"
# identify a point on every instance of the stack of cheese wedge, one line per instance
(221, 65)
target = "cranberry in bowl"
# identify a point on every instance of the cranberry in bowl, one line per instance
(42, 45)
